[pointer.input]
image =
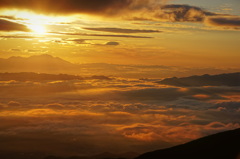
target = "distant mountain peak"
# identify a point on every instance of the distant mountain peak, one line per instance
(43, 63)
(40, 56)
(15, 57)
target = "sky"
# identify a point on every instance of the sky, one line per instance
(148, 32)
(116, 51)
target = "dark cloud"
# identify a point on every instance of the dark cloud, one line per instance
(187, 13)
(182, 13)
(113, 43)
(12, 26)
(103, 7)
(102, 35)
(227, 21)
(120, 30)
(171, 12)
(68, 6)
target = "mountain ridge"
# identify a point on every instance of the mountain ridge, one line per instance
(45, 63)
(223, 145)
(226, 79)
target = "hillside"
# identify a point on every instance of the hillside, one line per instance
(225, 145)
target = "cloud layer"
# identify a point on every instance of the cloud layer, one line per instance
(83, 117)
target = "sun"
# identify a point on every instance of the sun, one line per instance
(37, 28)
(38, 24)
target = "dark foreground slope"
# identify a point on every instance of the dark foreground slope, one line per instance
(225, 145)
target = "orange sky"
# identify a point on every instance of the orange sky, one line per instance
(82, 77)
(141, 32)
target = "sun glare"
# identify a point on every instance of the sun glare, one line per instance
(37, 28)
(37, 23)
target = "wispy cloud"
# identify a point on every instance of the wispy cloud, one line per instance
(121, 30)
(101, 35)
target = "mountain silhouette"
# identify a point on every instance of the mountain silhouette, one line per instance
(38, 63)
(229, 79)
(45, 63)
(224, 145)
